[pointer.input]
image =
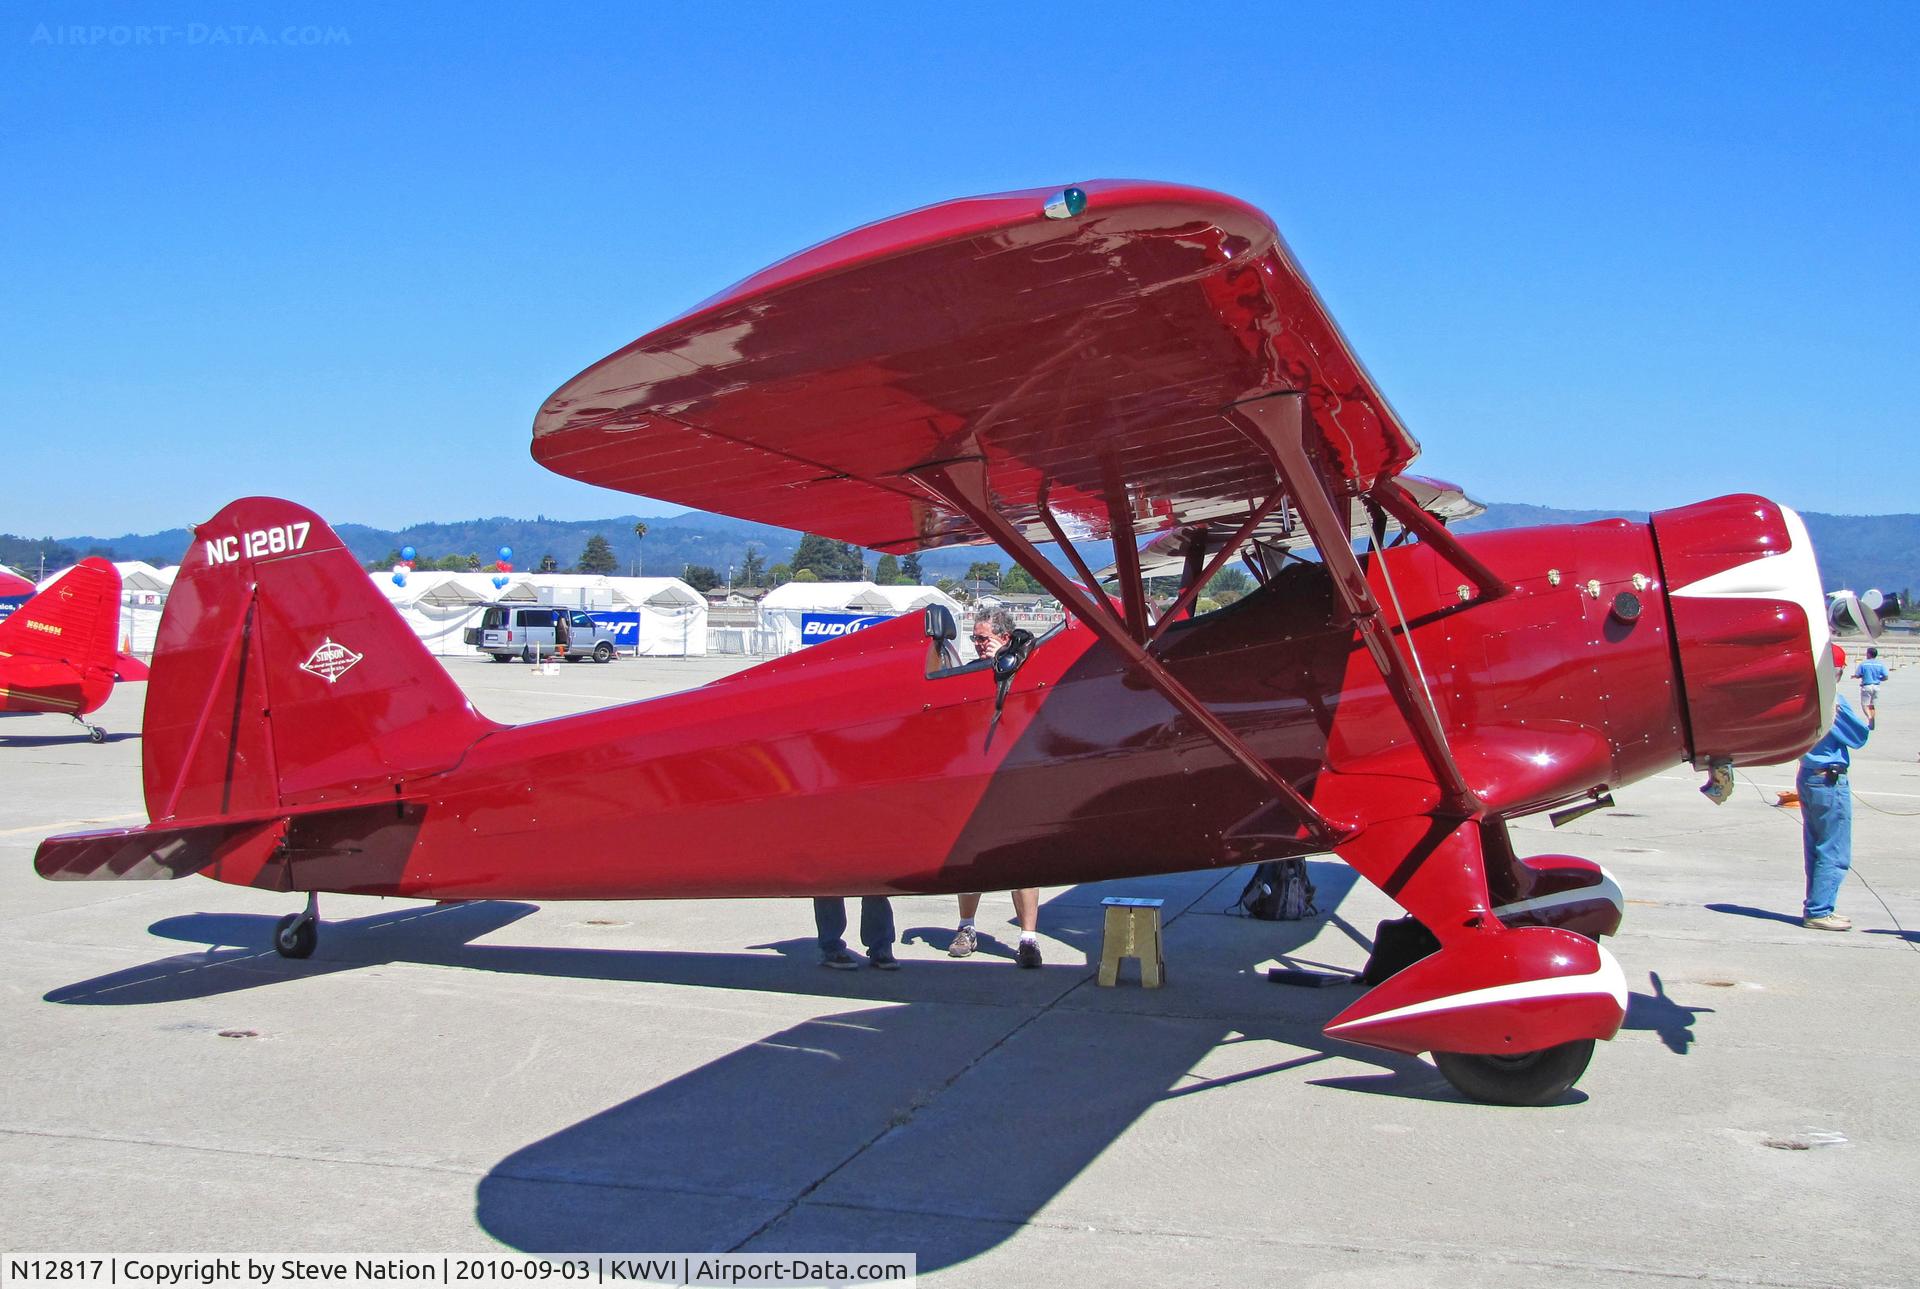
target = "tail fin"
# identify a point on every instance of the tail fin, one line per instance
(281, 677)
(75, 620)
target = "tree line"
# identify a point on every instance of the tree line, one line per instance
(821, 559)
(816, 559)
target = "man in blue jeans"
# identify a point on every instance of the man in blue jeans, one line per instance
(1826, 812)
(876, 932)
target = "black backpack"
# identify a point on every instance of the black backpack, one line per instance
(1279, 891)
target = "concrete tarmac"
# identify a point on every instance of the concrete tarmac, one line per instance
(684, 1077)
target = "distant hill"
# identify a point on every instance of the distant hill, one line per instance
(1854, 551)
(669, 546)
(1857, 551)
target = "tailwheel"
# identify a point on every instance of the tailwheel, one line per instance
(295, 937)
(1529, 1078)
(296, 934)
(97, 734)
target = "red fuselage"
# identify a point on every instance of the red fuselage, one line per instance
(848, 768)
(52, 685)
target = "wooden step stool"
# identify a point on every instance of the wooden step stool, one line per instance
(1132, 931)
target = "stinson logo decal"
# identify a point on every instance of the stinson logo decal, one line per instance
(331, 661)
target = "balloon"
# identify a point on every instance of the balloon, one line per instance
(499, 580)
(506, 552)
(399, 578)
(407, 553)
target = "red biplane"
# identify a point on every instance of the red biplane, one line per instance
(58, 652)
(1118, 360)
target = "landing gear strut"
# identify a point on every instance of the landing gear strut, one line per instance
(94, 732)
(296, 934)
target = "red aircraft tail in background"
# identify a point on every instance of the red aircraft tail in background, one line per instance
(58, 651)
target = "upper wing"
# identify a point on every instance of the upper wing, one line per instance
(1083, 344)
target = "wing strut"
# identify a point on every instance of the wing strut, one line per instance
(1191, 591)
(1190, 580)
(1416, 520)
(963, 485)
(1087, 579)
(1126, 553)
(1278, 425)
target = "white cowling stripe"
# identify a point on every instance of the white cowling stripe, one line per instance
(1605, 889)
(1606, 978)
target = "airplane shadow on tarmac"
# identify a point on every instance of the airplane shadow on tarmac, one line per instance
(61, 740)
(941, 1123)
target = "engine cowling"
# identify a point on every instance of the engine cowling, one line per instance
(1750, 627)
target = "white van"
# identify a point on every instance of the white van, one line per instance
(509, 631)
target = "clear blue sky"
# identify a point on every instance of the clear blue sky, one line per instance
(1598, 255)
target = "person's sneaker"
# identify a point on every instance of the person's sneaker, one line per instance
(1831, 922)
(1029, 954)
(883, 962)
(964, 943)
(840, 960)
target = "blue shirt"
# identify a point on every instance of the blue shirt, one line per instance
(1847, 731)
(1872, 672)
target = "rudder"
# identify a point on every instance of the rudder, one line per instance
(281, 677)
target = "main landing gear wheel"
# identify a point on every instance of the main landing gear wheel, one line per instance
(296, 934)
(603, 652)
(1530, 1078)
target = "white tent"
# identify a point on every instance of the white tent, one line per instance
(143, 597)
(910, 599)
(652, 616)
(785, 609)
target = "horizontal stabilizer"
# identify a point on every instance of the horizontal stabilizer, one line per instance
(156, 854)
(356, 848)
